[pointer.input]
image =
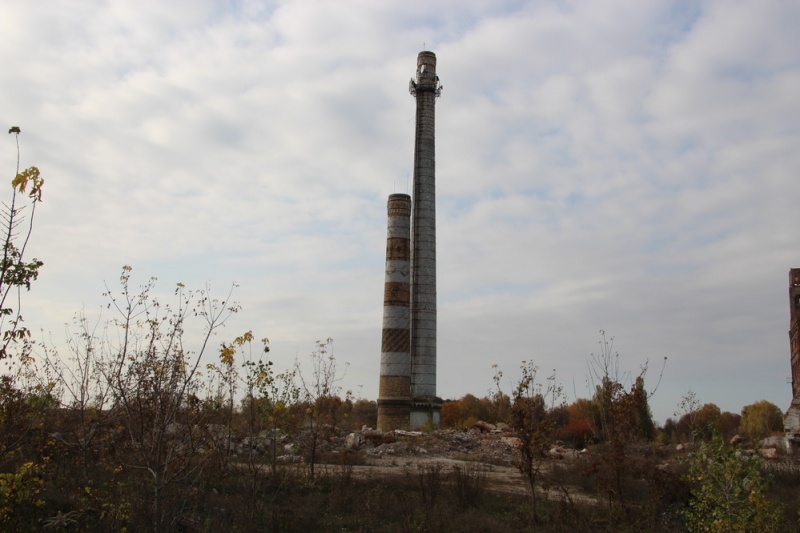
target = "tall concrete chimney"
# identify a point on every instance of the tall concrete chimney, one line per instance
(394, 389)
(425, 405)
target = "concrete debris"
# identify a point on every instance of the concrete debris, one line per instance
(773, 442)
(394, 448)
(484, 426)
(768, 453)
(401, 433)
(480, 443)
(353, 441)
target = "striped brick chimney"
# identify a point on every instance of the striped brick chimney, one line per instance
(394, 389)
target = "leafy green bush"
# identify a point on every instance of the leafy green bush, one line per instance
(19, 491)
(730, 491)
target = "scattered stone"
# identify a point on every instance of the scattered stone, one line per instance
(393, 448)
(353, 441)
(377, 437)
(402, 433)
(773, 442)
(484, 426)
(768, 453)
(557, 452)
(570, 454)
(464, 437)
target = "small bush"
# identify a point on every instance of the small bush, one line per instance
(578, 434)
(469, 484)
(730, 491)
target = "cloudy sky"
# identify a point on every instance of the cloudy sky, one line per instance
(619, 165)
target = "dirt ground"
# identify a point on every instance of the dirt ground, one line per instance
(505, 479)
(491, 453)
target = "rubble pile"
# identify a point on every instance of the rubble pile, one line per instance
(495, 446)
(483, 442)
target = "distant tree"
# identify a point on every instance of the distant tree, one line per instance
(620, 413)
(623, 411)
(761, 419)
(668, 432)
(687, 414)
(729, 424)
(450, 414)
(583, 410)
(364, 413)
(320, 392)
(560, 415)
(532, 408)
(475, 408)
(577, 434)
(500, 401)
(643, 417)
(464, 412)
(623, 418)
(701, 423)
(707, 420)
